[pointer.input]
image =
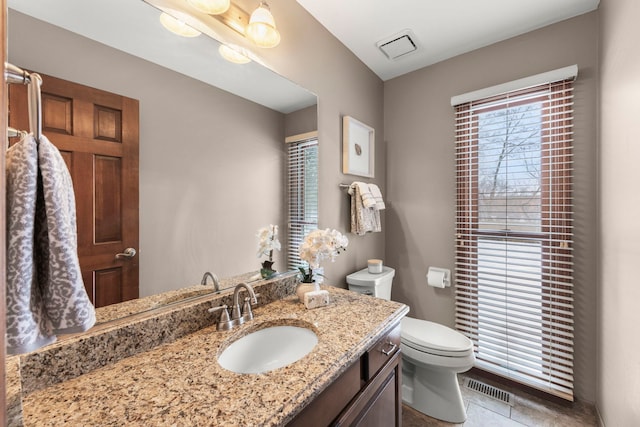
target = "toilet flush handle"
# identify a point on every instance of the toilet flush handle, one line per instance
(391, 349)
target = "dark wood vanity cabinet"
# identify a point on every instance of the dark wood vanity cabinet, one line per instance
(367, 394)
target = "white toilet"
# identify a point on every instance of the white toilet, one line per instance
(432, 355)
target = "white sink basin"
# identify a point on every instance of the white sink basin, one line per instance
(268, 349)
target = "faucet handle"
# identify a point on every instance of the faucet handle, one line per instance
(225, 314)
(247, 314)
(224, 324)
(214, 309)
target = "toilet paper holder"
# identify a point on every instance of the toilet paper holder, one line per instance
(439, 277)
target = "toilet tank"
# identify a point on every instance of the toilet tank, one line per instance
(377, 285)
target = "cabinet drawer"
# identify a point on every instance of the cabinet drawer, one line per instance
(381, 352)
(379, 403)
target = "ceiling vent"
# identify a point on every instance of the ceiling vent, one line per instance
(398, 45)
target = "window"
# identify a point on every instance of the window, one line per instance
(302, 179)
(514, 266)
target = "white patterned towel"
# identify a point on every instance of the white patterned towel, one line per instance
(28, 326)
(65, 298)
(45, 291)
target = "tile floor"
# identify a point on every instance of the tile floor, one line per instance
(527, 410)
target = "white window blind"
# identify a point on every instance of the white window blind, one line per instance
(514, 234)
(302, 183)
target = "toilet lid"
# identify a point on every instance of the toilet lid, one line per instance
(433, 336)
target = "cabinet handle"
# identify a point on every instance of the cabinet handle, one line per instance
(391, 349)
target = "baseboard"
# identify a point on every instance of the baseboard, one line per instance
(600, 420)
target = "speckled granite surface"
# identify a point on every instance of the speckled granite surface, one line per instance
(105, 344)
(75, 355)
(181, 383)
(13, 390)
(136, 306)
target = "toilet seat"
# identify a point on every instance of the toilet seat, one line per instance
(433, 338)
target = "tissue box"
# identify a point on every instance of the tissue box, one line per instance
(316, 299)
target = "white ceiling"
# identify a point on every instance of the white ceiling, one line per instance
(443, 28)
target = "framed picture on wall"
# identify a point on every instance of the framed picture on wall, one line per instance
(358, 148)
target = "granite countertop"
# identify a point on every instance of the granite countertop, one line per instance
(181, 383)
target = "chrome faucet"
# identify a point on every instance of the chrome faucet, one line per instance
(214, 279)
(237, 316)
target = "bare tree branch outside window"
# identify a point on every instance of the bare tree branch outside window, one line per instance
(509, 167)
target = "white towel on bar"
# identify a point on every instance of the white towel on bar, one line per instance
(368, 201)
(363, 219)
(377, 196)
(45, 291)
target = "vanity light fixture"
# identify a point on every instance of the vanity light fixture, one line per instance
(211, 7)
(177, 27)
(233, 54)
(259, 27)
(262, 27)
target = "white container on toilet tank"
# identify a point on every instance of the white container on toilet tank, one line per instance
(374, 266)
(374, 284)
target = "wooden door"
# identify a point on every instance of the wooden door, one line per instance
(97, 133)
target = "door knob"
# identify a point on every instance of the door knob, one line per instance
(128, 253)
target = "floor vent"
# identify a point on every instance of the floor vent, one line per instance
(488, 390)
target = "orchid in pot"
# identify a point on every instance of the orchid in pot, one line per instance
(267, 243)
(316, 247)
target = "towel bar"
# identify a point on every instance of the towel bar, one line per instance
(14, 74)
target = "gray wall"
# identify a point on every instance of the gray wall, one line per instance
(301, 121)
(618, 313)
(206, 156)
(419, 132)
